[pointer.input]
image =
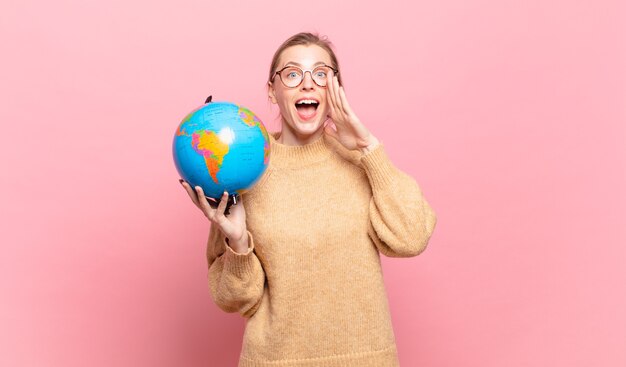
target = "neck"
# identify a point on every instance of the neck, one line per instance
(290, 137)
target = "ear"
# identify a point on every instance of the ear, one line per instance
(271, 93)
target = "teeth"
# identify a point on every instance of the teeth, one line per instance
(307, 101)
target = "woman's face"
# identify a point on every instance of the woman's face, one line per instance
(302, 119)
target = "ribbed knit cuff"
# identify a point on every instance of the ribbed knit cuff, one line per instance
(379, 168)
(239, 264)
(376, 358)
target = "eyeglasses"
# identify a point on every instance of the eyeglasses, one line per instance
(292, 76)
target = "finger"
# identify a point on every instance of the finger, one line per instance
(204, 204)
(341, 113)
(221, 207)
(329, 82)
(330, 94)
(350, 116)
(191, 193)
(336, 95)
(332, 113)
(333, 109)
(344, 101)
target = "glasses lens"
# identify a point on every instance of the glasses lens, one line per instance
(320, 75)
(291, 76)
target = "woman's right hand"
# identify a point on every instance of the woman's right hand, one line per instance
(233, 226)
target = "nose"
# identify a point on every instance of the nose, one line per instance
(307, 82)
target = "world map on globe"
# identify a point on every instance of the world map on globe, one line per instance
(221, 146)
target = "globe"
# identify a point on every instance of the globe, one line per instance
(221, 146)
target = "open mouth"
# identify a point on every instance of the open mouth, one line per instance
(306, 108)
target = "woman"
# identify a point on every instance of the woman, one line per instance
(298, 257)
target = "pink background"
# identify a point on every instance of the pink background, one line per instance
(511, 115)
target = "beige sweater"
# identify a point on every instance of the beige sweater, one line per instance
(311, 285)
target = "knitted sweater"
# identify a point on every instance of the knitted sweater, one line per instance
(311, 285)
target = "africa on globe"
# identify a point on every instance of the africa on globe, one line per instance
(221, 146)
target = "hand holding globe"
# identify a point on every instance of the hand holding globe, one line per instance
(233, 226)
(221, 147)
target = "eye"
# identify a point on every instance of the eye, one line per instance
(291, 73)
(321, 72)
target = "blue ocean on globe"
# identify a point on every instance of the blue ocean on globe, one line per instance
(221, 146)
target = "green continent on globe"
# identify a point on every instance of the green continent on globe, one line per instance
(251, 120)
(209, 145)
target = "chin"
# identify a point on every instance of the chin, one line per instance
(308, 128)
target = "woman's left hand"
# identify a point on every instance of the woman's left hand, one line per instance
(351, 133)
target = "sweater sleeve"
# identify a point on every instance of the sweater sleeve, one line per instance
(236, 280)
(401, 220)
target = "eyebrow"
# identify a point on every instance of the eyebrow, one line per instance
(300, 65)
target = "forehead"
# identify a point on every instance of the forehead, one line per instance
(307, 56)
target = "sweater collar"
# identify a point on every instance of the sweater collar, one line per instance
(294, 156)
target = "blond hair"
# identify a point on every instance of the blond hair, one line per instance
(305, 39)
